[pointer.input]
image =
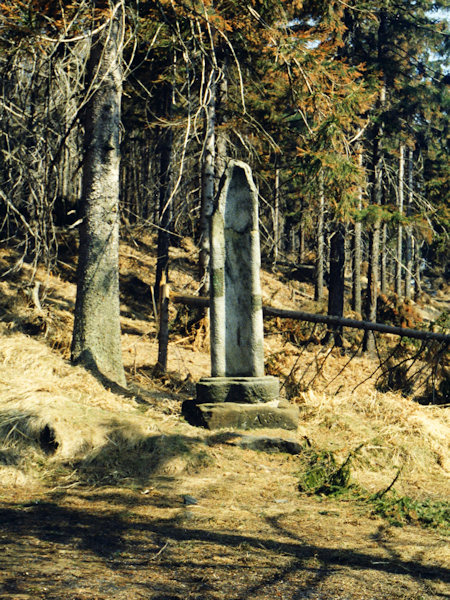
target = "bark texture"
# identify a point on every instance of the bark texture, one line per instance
(96, 339)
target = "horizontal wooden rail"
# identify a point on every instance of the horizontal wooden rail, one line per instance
(333, 321)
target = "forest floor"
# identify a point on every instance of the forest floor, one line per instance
(113, 495)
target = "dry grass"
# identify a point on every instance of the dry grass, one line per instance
(112, 438)
(89, 424)
(92, 482)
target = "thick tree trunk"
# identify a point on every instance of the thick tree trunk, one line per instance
(320, 245)
(96, 339)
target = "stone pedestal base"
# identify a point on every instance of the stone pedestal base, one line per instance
(243, 390)
(218, 415)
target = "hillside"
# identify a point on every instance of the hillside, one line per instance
(112, 495)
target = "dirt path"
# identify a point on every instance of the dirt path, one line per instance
(121, 544)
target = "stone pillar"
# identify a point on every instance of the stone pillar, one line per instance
(237, 394)
(237, 329)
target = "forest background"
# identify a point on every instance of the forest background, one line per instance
(116, 121)
(124, 114)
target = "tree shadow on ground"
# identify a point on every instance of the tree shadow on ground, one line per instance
(167, 558)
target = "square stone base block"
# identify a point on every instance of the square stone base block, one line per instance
(244, 390)
(233, 415)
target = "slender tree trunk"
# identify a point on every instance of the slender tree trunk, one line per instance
(301, 243)
(337, 277)
(165, 201)
(357, 255)
(374, 234)
(400, 201)
(383, 259)
(96, 336)
(372, 285)
(376, 188)
(276, 217)
(165, 209)
(417, 265)
(221, 119)
(409, 237)
(208, 184)
(319, 274)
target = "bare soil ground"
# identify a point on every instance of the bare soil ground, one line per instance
(114, 496)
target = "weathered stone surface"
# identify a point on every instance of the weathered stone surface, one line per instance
(241, 416)
(270, 444)
(237, 395)
(236, 315)
(244, 390)
(264, 443)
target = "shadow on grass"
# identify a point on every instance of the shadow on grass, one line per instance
(130, 458)
(105, 450)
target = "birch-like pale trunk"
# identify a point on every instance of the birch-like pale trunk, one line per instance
(96, 341)
(400, 202)
(409, 237)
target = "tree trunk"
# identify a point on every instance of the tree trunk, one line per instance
(376, 187)
(357, 255)
(96, 339)
(208, 174)
(417, 265)
(221, 118)
(318, 283)
(400, 200)
(276, 217)
(165, 201)
(301, 243)
(374, 235)
(336, 277)
(409, 238)
(383, 259)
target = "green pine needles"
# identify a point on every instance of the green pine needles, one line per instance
(322, 475)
